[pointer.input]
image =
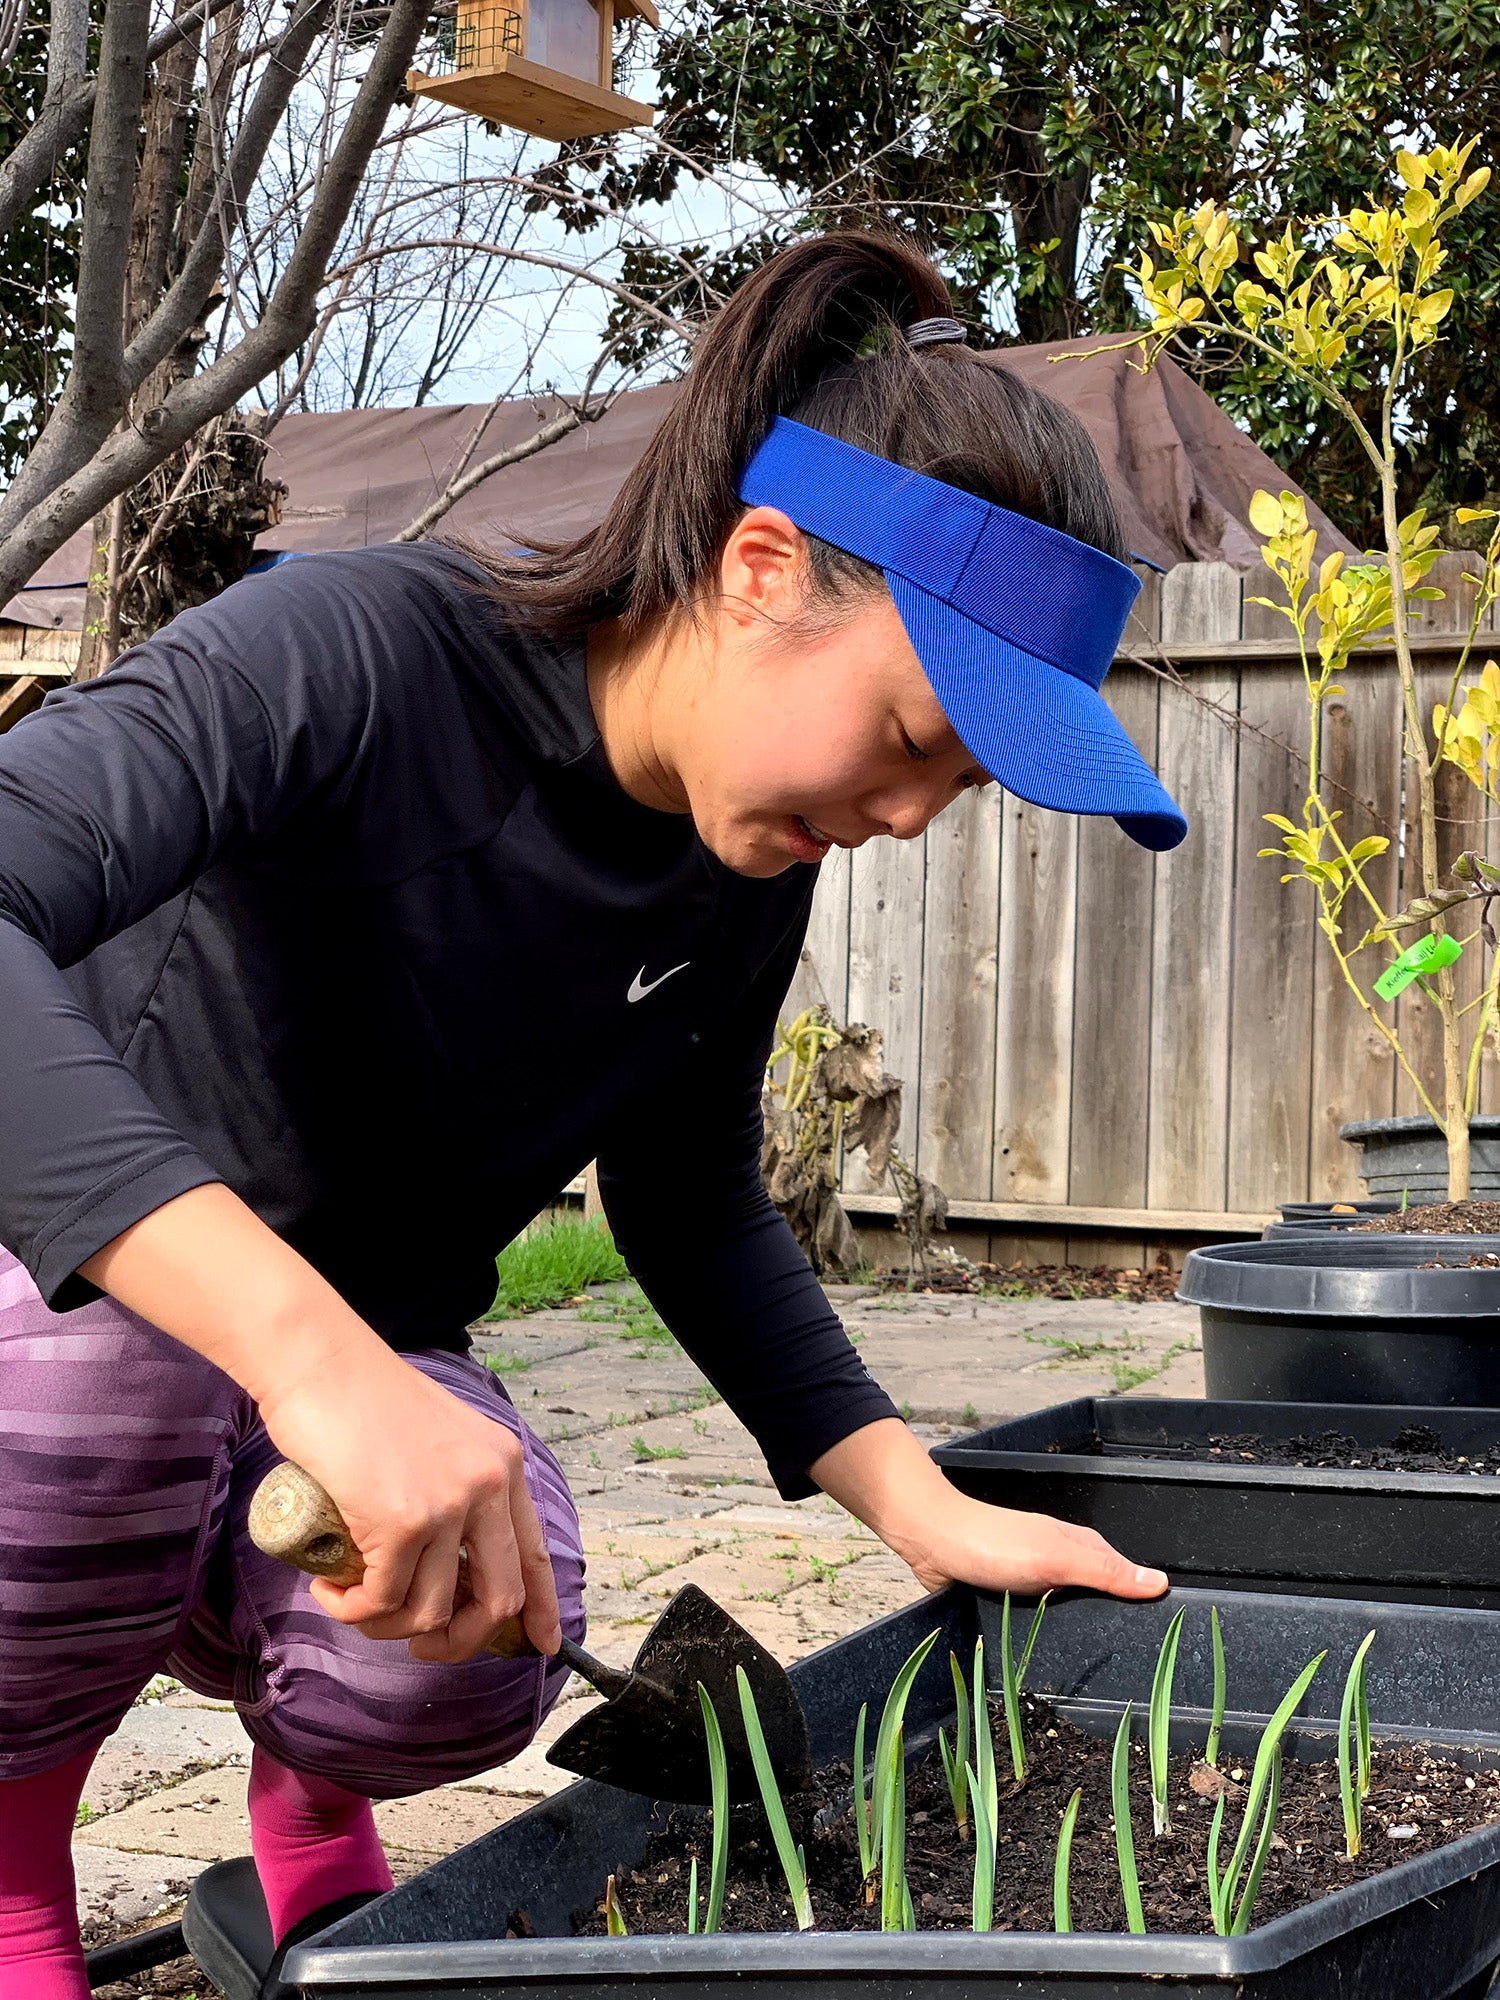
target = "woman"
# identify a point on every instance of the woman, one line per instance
(347, 918)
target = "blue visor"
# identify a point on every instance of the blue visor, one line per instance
(1015, 624)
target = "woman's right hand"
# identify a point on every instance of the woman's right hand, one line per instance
(416, 1474)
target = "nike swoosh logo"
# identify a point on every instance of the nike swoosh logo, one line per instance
(639, 989)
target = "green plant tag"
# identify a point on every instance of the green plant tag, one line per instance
(1428, 954)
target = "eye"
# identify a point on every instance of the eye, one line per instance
(916, 754)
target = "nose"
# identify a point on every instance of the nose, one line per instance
(909, 818)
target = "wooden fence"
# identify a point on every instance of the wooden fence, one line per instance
(1102, 1046)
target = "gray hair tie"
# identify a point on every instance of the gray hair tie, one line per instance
(935, 333)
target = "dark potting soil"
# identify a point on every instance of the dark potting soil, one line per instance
(1417, 1448)
(1416, 1802)
(1438, 1218)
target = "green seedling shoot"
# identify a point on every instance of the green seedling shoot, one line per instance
(614, 1916)
(718, 1778)
(1119, 1791)
(787, 1851)
(956, 1757)
(1216, 1721)
(984, 1794)
(1013, 1678)
(693, 1897)
(887, 1755)
(1231, 1910)
(1062, 1912)
(1159, 1723)
(1354, 1749)
(895, 1900)
(863, 1831)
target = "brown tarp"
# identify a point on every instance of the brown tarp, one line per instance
(1181, 473)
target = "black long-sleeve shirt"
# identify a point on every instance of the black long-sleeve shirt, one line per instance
(327, 892)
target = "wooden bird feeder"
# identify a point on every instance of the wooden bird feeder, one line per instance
(541, 66)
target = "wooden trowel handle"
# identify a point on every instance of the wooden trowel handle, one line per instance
(293, 1519)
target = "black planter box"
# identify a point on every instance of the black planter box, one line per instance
(1339, 1318)
(1322, 1218)
(1400, 1537)
(1428, 1929)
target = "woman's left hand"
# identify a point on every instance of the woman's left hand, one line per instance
(883, 1475)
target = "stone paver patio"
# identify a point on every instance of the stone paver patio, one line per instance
(670, 1489)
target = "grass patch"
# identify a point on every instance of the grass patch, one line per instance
(631, 1316)
(552, 1264)
(647, 1454)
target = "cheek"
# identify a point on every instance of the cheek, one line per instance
(791, 754)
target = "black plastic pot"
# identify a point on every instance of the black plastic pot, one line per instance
(1349, 1319)
(1318, 1218)
(1410, 1155)
(1428, 1929)
(1400, 1537)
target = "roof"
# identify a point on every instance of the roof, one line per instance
(1180, 471)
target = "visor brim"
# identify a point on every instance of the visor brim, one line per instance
(1040, 732)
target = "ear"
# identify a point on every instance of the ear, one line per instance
(763, 567)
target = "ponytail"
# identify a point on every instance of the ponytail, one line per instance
(815, 334)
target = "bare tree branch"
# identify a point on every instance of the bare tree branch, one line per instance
(184, 304)
(29, 534)
(64, 119)
(93, 397)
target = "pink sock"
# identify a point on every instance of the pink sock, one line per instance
(313, 1842)
(40, 1956)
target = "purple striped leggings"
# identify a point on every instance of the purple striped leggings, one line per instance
(127, 1463)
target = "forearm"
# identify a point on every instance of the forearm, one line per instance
(885, 1478)
(205, 1269)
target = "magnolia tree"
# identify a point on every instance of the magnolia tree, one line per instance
(1344, 304)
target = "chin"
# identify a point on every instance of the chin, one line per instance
(747, 850)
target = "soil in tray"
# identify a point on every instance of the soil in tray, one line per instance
(1414, 1449)
(1416, 1802)
(1438, 1218)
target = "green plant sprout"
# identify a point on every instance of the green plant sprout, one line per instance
(1159, 1724)
(1231, 1918)
(1062, 1912)
(985, 1795)
(1342, 305)
(863, 1831)
(692, 1920)
(1354, 1749)
(1119, 1791)
(887, 1751)
(718, 1778)
(895, 1898)
(1012, 1678)
(1216, 1720)
(956, 1758)
(787, 1851)
(614, 1916)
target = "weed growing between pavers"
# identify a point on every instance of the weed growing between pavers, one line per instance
(1097, 1836)
(552, 1264)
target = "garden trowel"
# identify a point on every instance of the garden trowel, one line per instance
(649, 1735)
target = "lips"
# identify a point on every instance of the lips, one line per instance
(807, 842)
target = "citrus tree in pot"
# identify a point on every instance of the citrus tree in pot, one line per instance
(1343, 304)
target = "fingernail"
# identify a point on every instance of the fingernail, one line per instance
(1158, 1577)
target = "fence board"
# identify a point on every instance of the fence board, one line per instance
(1353, 1070)
(1274, 941)
(1112, 999)
(822, 975)
(956, 1139)
(1034, 1009)
(886, 901)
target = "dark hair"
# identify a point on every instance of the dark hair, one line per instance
(814, 334)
